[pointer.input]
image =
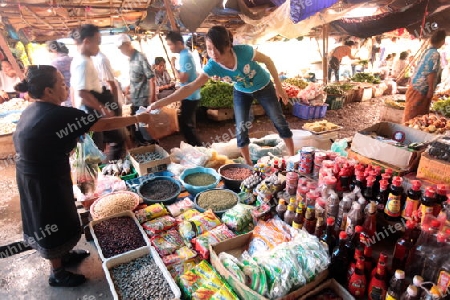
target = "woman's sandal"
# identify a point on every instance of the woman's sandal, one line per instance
(66, 279)
(74, 257)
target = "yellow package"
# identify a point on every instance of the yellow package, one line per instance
(225, 293)
(151, 212)
(187, 215)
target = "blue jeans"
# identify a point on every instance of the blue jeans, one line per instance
(268, 99)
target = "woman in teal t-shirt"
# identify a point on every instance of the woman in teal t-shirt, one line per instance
(240, 64)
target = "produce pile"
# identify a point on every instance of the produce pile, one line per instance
(236, 173)
(200, 179)
(337, 89)
(442, 107)
(292, 91)
(159, 189)
(430, 123)
(397, 104)
(217, 94)
(366, 77)
(301, 84)
(440, 149)
(114, 203)
(217, 200)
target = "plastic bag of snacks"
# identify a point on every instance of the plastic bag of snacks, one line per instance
(255, 276)
(238, 217)
(151, 212)
(214, 236)
(159, 225)
(176, 270)
(261, 212)
(198, 225)
(187, 215)
(233, 265)
(181, 255)
(180, 207)
(201, 276)
(266, 236)
(225, 293)
(167, 242)
(316, 257)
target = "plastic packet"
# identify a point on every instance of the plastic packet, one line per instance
(225, 293)
(261, 212)
(181, 255)
(151, 212)
(198, 224)
(238, 217)
(187, 215)
(233, 265)
(266, 236)
(201, 276)
(168, 242)
(214, 236)
(180, 207)
(255, 276)
(92, 155)
(178, 269)
(159, 225)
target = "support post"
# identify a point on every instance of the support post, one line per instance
(325, 33)
(169, 12)
(10, 56)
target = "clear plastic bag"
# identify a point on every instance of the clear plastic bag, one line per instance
(86, 172)
(92, 155)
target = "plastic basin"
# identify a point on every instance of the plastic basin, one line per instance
(193, 189)
(230, 183)
(169, 200)
(219, 213)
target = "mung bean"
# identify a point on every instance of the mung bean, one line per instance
(217, 200)
(200, 179)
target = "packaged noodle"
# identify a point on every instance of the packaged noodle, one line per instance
(238, 217)
(178, 269)
(151, 212)
(159, 225)
(181, 255)
(198, 225)
(214, 236)
(167, 242)
(233, 265)
(201, 276)
(225, 293)
(190, 213)
(255, 276)
(266, 236)
(180, 207)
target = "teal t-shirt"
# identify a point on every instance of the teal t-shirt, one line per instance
(247, 75)
(187, 65)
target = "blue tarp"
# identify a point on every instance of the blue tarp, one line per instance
(303, 9)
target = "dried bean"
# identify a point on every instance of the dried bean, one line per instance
(141, 279)
(217, 200)
(236, 173)
(118, 235)
(159, 189)
(200, 179)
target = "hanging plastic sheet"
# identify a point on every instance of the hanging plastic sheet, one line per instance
(302, 9)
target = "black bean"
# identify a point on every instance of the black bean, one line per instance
(118, 235)
(159, 189)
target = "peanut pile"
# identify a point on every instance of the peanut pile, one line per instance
(114, 203)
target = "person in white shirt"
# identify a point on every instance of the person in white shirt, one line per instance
(8, 79)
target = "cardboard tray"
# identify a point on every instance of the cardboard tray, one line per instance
(152, 166)
(131, 255)
(122, 214)
(332, 284)
(433, 169)
(367, 161)
(235, 246)
(323, 132)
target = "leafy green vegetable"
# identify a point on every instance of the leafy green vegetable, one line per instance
(442, 107)
(366, 77)
(217, 94)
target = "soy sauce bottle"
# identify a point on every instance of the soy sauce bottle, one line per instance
(393, 208)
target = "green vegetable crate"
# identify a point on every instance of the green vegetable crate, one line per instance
(335, 101)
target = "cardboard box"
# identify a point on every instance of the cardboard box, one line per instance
(402, 158)
(235, 247)
(151, 166)
(331, 284)
(221, 114)
(434, 170)
(368, 161)
(390, 114)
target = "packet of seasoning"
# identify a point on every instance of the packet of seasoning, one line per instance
(214, 236)
(225, 293)
(190, 213)
(238, 217)
(266, 236)
(198, 225)
(151, 212)
(180, 207)
(181, 255)
(255, 276)
(159, 225)
(178, 269)
(168, 242)
(202, 275)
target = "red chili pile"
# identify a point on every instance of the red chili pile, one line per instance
(236, 173)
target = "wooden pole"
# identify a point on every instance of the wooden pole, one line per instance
(10, 56)
(169, 12)
(325, 34)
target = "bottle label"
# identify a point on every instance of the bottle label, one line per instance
(376, 293)
(357, 287)
(393, 206)
(350, 227)
(297, 226)
(443, 282)
(425, 210)
(343, 222)
(389, 297)
(410, 207)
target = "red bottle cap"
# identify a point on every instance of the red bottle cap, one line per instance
(389, 171)
(342, 235)
(370, 180)
(304, 189)
(330, 222)
(447, 232)
(397, 181)
(416, 185)
(435, 224)
(386, 176)
(359, 252)
(410, 224)
(441, 189)
(359, 168)
(311, 185)
(430, 192)
(384, 184)
(378, 170)
(441, 238)
(373, 173)
(369, 168)
(321, 202)
(330, 180)
(312, 195)
(359, 229)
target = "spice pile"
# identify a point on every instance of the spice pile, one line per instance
(199, 179)
(118, 235)
(159, 189)
(236, 173)
(12, 105)
(217, 200)
(141, 279)
(114, 203)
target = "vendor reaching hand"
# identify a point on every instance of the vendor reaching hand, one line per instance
(240, 65)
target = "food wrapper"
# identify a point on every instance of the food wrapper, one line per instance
(168, 242)
(261, 212)
(159, 225)
(198, 225)
(255, 275)
(238, 217)
(225, 293)
(181, 255)
(151, 212)
(233, 265)
(180, 207)
(267, 235)
(214, 236)
(176, 270)
(190, 213)
(202, 277)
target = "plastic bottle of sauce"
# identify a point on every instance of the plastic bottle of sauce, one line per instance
(383, 195)
(417, 282)
(339, 260)
(397, 286)
(393, 208)
(281, 208)
(358, 283)
(441, 198)
(328, 237)
(355, 241)
(311, 198)
(297, 222)
(359, 253)
(289, 214)
(344, 207)
(377, 286)
(320, 224)
(332, 205)
(382, 259)
(354, 217)
(433, 261)
(368, 259)
(370, 222)
(369, 194)
(403, 248)
(301, 193)
(310, 219)
(427, 206)
(443, 277)
(413, 197)
(444, 216)
(410, 293)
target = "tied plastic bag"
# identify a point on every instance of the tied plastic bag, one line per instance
(190, 156)
(340, 147)
(88, 157)
(92, 155)
(255, 276)
(163, 122)
(238, 217)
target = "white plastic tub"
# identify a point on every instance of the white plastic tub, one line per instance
(302, 138)
(132, 255)
(122, 214)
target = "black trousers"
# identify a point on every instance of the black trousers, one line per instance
(139, 135)
(188, 122)
(333, 66)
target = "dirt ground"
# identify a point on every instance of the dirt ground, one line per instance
(24, 276)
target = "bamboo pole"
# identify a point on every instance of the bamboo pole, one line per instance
(10, 56)
(325, 35)
(39, 18)
(169, 13)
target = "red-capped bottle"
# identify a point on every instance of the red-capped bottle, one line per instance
(382, 196)
(355, 241)
(359, 252)
(358, 283)
(370, 222)
(393, 208)
(441, 198)
(403, 248)
(377, 286)
(340, 260)
(412, 203)
(368, 259)
(427, 206)
(329, 238)
(383, 259)
(368, 192)
(321, 225)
